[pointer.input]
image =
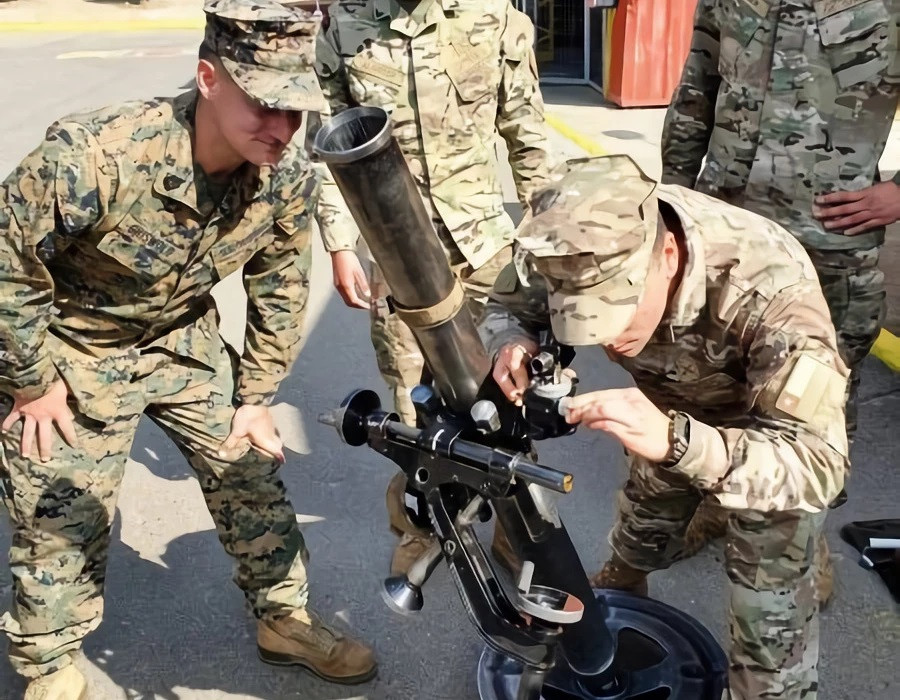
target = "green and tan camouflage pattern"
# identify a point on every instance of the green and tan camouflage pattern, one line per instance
(853, 285)
(111, 238)
(748, 312)
(592, 244)
(62, 509)
(452, 75)
(749, 307)
(268, 49)
(770, 561)
(786, 100)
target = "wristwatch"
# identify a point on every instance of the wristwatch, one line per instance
(679, 438)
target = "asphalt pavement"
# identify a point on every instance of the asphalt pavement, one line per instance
(175, 626)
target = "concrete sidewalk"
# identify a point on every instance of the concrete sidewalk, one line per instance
(99, 15)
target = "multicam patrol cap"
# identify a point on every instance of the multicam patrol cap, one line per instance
(591, 236)
(268, 49)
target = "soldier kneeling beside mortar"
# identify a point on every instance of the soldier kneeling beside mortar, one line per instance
(718, 315)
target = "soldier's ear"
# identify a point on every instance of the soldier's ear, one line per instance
(670, 255)
(208, 77)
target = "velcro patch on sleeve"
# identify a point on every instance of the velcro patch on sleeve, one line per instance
(810, 384)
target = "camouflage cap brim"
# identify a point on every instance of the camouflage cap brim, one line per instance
(588, 318)
(276, 88)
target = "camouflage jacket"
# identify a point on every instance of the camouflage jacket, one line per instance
(111, 240)
(787, 100)
(746, 349)
(452, 75)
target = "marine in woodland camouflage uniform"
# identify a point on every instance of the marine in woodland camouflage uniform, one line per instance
(452, 74)
(111, 238)
(789, 100)
(745, 349)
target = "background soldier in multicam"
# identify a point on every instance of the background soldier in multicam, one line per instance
(791, 103)
(112, 234)
(452, 73)
(717, 314)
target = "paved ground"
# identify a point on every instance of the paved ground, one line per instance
(105, 11)
(175, 627)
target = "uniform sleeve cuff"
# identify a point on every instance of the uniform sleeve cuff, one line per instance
(337, 239)
(705, 462)
(36, 381)
(243, 397)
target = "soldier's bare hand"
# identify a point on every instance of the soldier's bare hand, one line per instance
(510, 371)
(857, 212)
(627, 415)
(39, 417)
(252, 427)
(350, 279)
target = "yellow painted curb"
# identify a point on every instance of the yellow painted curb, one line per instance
(103, 26)
(887, 349)
(573, 135)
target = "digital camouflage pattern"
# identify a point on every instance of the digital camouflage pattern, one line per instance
(786, 100)
(63, 509)
(452, 74)
(748, 352)
(268, 49)
(111, 239)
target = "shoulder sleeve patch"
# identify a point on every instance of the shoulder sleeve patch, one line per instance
(810, 384)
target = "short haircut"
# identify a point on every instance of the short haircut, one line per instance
(205, 53)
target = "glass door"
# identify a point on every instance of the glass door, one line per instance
(559, 37)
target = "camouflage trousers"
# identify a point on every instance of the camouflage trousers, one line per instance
(62, 510)
(854, 289)
(769, 560)
(401, 363)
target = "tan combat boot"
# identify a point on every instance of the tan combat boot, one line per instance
(65, 684)
(414, 541)
(407, 551)
(302, 639)
(621, 576)
(824, 574)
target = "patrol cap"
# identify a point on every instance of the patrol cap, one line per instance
(268, 49)
(590, 235)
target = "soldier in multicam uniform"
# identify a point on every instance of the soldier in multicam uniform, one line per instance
(452, 74)
(112, 234)
(717, 314)
(791, 102)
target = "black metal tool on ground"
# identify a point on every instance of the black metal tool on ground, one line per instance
(552, 637)
(878, 542)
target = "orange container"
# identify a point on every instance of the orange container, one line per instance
(650, 42)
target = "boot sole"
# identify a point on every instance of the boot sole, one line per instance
(283, 660)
